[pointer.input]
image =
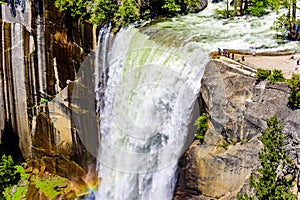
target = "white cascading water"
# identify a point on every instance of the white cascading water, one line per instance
(148, 99)
(146, 85)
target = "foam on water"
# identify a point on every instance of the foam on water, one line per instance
(243, 33)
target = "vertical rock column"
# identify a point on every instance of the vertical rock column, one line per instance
(13, 94)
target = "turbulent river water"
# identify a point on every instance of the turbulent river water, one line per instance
(147, 81)
(243, 33)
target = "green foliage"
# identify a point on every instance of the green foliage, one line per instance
(179, 6)
(262, 74)
(9, 174)
(254, 8)
(273, 76)
(43, 100)
(294, 99)
(192, 4)
(202, 125)
(276, 76)
(281, 25)
(245, 140)
(224, 144)
(269, 184)
(224, 14)
(294, 84)
(274, 4)
(76, 8)
(285, 23)
(126, 13)
(257, 9)
(20, 188)
(102, 10)
(47, 185)
(123, 12)
(171, 6)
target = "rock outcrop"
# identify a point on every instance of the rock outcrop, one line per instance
(200, 5)
(239, 107)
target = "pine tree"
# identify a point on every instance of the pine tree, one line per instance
(270, 184)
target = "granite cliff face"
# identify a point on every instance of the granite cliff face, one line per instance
(239, 108)
(41, 53)
(47, 105)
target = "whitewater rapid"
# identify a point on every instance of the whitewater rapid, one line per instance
(241, 33)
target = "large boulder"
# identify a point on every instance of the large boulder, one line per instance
(195, 6)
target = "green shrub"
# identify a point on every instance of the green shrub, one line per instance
(171, 6)
(269, 184)
(9, 174)
(276, 76)
(294, 84)
(294, 99)
(202, 125)
(102, 10)
(262, 74)
(76, 8)
(257, 9)
(126, 13)
(273, 76)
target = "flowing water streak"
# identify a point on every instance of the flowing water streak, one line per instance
(104, 40)
(148, 100)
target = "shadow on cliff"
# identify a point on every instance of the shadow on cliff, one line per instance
(10, 143)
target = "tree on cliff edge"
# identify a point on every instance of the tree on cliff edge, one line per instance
(273, 182)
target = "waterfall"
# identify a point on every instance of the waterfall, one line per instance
(148, 93)
(147, 81)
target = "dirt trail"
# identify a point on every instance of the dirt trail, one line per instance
(286, 63)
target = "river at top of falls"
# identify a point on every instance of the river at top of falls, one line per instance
(147, 82)
(241, 33)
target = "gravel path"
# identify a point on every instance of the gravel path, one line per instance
(286, 63)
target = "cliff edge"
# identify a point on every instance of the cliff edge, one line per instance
(238, 107)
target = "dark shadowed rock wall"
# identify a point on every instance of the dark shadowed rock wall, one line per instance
(41, 53)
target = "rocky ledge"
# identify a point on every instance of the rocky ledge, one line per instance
(238, 107)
